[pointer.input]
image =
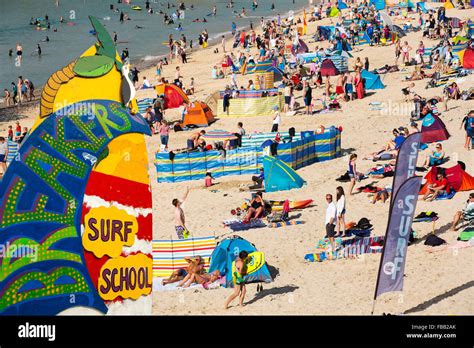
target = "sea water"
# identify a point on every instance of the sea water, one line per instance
(73, 36)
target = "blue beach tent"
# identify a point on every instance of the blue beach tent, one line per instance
(379, 4)
(279, 176)
(227, 251)
(372, 81)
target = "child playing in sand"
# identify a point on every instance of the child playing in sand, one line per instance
(208, 180)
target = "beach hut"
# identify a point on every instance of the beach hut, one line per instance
(328, 68)
(172, 95)
(199, 114)
(279, 176)
(223, 260)
(433, 129)
(371, 80)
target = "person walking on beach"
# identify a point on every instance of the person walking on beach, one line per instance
(159, 69)
(330, 222)
(164, 131)
(179, 218)
(308, 98)
(223, 44)
(7, 98)
(15, 93)
(341, 212)
(276, 119)
(353, 174)
(238, 280)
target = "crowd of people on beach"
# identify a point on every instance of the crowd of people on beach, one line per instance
(21, 91)
(280, 44)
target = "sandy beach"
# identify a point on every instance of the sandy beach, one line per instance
(439, 283)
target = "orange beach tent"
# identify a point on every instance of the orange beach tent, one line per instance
(199, 114)
(457, 178)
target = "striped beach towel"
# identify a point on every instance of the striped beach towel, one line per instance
(168, 255)
(285, 223)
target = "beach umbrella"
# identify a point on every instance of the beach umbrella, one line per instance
(219, 135)
(342, 53)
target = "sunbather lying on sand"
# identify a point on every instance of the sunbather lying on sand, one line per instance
(195, 266)
(382, 156)
(183, 273)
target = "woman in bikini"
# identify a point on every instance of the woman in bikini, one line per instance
(257, 208)
(406, 48)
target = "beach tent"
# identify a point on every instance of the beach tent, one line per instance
(174, 96)
(448, 4)
(459, 39)
(279, 176)
(379, 4)
(199, 114)
(334, 12)
(328, 68)
(371, 80)
(228, 250)
(302, 47)
(324, 32)
(407, 4)
(342, 5)
(340, 62)
(458, 179)
(433, 129)
(364, 38)
(398, 30)
(468, 58)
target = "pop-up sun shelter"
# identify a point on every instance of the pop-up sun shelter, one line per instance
(173, 95)
(458, 179)
(228, 250)
(468, 58)
(199, 115)
(433, 129)
(371, 80)
(279, 176)
(328, 68)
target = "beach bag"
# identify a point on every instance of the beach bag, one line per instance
(433, 240)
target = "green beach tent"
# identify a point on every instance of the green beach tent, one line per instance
(279, 176)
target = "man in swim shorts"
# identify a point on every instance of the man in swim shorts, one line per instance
(179, 219)
(239, 282)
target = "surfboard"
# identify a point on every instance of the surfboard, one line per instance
(254, 262)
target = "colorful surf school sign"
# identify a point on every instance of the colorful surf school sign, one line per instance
(43, 270)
